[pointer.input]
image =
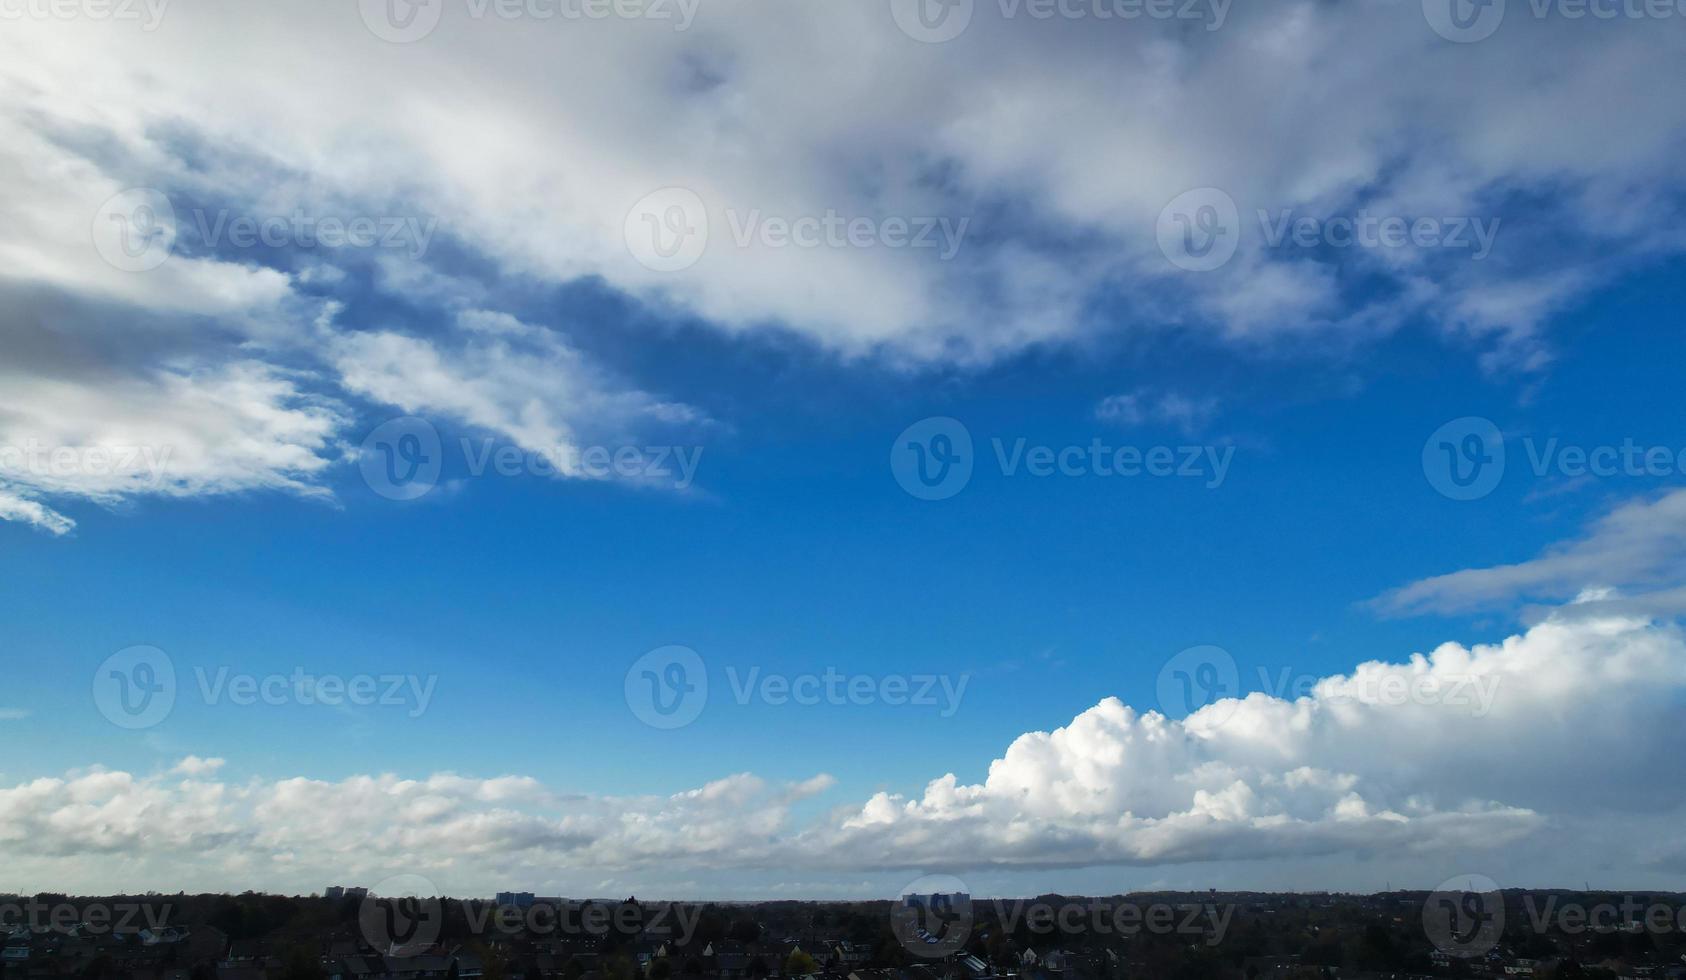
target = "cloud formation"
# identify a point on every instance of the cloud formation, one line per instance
(1639, 547)
(1353, 768)
(479, 133)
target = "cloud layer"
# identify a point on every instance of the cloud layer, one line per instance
(521, 144)
(1465, 753)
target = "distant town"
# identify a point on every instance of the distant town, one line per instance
(352, 933)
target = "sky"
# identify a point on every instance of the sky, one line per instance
(721, 449)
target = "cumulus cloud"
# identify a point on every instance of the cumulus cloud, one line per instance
(195, 766)
(1459, 751)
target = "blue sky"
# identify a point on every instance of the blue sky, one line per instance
(531, 319)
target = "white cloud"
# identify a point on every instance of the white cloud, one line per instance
(1348, 769)
(1314, 108)
(195, 766)
(1307, 106)
(515, 379)
(1188, 414)
(1640, 544)
(105, 437)
(18, 508)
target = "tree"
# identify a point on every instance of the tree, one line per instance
(800, 964)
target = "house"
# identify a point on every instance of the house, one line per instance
(468, 965)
